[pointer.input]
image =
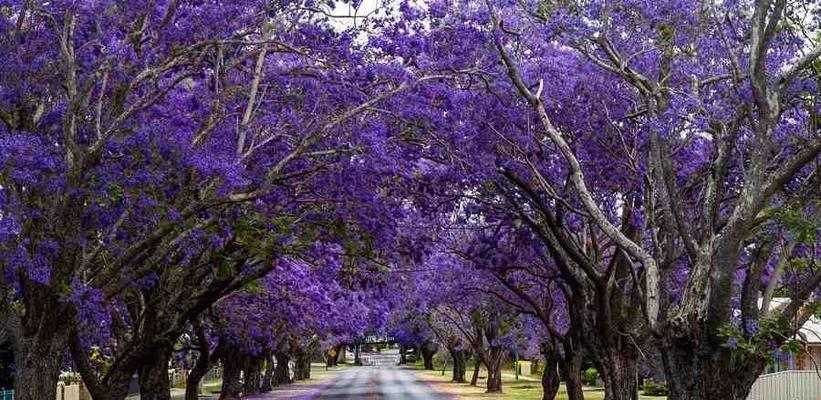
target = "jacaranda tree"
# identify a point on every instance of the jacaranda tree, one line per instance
(625, 173)
(672, 172)
(158, 155)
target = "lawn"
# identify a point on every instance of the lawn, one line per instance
(319, 376)
(526, 388)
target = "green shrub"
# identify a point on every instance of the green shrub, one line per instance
(651, 389)
(591, 376)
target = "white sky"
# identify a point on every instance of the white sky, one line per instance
(349, 15)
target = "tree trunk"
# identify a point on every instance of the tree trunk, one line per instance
(253, 373)
(39, 340)
(147, 356)
(302, 366)
(205, 361)
(302, 362)
(619, 371)
(494, 370)
(231, 386)
(329, 360)
(402, 357)
(474, 379)
(117, 381)
(550, 376)
(192, 382)
(116, 388)
(428, 350)
(282, 373)
(709, 373)
(428, 359)
(154, 382)
(459, 368)
(571, 369)
(683, 383)
(37, 369)
(357, 360)
(268, 378)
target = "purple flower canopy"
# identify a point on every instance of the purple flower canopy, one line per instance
(626, 181)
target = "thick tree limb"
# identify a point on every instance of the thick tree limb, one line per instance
(652, 276)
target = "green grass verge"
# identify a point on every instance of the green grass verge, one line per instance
(526, 388)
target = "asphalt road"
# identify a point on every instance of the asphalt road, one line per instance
(379, 383)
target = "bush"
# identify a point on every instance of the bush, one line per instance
(591, 377)
(69, 378)
(651, 389)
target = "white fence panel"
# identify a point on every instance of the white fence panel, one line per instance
(787, 385)
(213, 374)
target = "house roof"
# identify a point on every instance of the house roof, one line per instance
(810, 331)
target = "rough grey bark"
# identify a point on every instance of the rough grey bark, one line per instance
(39, 340)
(205, 361)
(37, 370)
(493, 362)
(474, 378)
(357, 352)
(402, 354)
(459, 365)
(154, 381)
(550, 376)
(192, 381)
(713, 377)
(428, 348)
(268, 377)
(252, 378)
(302, 367)
(619, 375)
(231, 385)
(282, 372)
(571, 370)
(115, 383)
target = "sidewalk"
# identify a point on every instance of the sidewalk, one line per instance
(299, 390)
(207, 388)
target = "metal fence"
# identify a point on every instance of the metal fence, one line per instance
(379, 359)
(787, 385)
(214, 374)
(177, 377)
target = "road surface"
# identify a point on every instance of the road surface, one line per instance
(379, 383)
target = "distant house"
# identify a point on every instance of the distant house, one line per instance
(809, 334)
(796, 376)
